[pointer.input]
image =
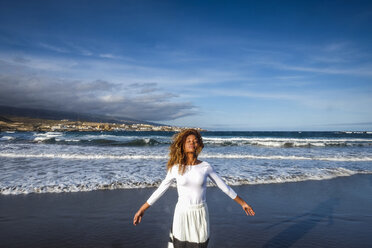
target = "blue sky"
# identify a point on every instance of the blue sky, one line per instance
(219, 65)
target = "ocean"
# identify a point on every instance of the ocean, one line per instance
(54, 162)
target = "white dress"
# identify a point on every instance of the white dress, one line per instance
(190, 226)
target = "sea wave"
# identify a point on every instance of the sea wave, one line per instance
(286, 142)
(215, 156)
(131, 184)
(7, 138)
(321, 174)
(98, 142)
(155, 140)
(81, 156)
(280, 157)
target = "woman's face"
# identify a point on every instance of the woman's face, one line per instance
(191, 144)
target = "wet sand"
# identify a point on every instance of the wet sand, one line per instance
(328, 213)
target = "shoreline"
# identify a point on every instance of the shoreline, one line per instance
(152, 186)
(31, 124)
(314, 213)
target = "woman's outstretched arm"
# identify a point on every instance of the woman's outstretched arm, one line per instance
(138, 216)
(248, 209)
(229, 191)
(154, 197)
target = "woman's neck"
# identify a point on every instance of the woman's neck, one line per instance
(192, 159)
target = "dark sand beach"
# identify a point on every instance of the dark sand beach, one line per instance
(327, 213)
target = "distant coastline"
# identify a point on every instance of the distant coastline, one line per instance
(27, 124)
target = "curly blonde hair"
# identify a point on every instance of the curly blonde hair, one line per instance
(177, 154)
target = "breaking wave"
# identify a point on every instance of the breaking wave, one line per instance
(322, 174)
(155, 140)
(216, 155)
(286, 142)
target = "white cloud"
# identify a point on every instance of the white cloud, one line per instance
(107, 55)
(111, 98)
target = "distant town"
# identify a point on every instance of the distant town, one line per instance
(32, 124)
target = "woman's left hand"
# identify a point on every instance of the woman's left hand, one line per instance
(248, 210)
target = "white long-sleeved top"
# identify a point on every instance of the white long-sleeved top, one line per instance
(192, 185)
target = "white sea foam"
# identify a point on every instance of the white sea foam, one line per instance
(82, 156)
(100, 139)
(322, 174)
(288, 142)
(216, 155)
(135, 140)
(7, 138)
(279, 157)
(72, 140)
(72, 162)
(286, 139)
(45, 136)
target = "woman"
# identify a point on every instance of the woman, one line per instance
(191, 219)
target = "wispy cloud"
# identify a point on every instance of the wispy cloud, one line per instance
(108, 56)
(363, 70)
(341, 100)
(336, 46)
(54, 48)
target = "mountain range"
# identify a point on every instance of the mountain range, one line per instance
(71, 116)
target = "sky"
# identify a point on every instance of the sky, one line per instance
(218, 65)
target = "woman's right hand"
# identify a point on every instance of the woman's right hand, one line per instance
(138, 217)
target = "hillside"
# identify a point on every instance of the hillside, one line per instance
(63, 115)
